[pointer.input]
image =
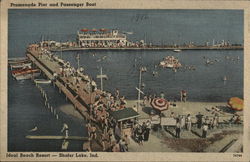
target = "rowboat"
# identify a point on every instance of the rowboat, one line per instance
(20, 65)
(17, 60)
(42, 81)
(26, 74)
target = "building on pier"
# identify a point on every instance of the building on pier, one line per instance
(101, 38)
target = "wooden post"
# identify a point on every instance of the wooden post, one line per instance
(57, 117)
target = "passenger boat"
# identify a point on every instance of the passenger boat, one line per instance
(42, 81)
(26, 74)
(170, 62)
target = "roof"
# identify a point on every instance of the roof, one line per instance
(124, 114)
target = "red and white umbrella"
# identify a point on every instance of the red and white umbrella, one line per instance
(159, 104)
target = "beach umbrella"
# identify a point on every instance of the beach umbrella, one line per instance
(235, 103)
(159, 104)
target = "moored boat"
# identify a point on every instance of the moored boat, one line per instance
(177, 50)
(42, 81)
(26, 74)
(17, 60)
(20, 65)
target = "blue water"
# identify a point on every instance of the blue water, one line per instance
(25, 106)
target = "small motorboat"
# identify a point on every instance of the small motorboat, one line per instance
(177, 50)
(42, 81)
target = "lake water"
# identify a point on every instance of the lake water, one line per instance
(26, 109)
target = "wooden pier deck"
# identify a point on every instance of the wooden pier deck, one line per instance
(77, 95)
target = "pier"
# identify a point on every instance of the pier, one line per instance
(77, 94)
(150, 48)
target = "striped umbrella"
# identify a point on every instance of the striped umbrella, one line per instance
(235, 103)
(159, 104)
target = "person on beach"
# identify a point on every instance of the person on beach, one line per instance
(127, 141)
(182, 121)
(147, 132)
(199, 117)
(117, 132)
(162, 95)
(117, 94)
(140, 136)
(189, 122)
(204, 130)
(183, 95)
(178, 128)
(123, 147)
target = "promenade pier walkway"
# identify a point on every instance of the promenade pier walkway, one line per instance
(78, 94)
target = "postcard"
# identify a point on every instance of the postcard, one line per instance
(125, 80)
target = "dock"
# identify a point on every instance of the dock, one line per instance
(78, 95)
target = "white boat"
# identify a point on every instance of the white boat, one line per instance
(20, 65)
(177, 50)
(42, 81)
(27, 76)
